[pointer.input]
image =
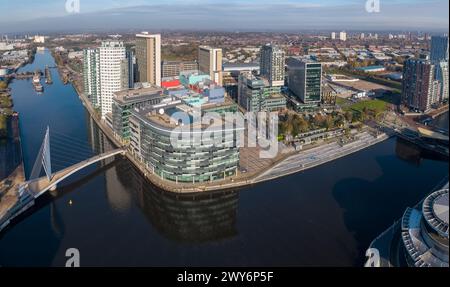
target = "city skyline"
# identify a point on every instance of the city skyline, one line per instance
(235, 133)
(202, 14)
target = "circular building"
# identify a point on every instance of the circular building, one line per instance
(425, 232)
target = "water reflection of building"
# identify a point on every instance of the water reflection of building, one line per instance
(116, 193)
(187, 218)
(99, 142)
(414, 154)
(408, 151)
(10, 148)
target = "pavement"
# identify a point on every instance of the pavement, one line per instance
(319, 155)
(8, 190)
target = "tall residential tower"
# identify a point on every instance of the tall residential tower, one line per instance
(210, 62)
(148, 58)
(439, 58)
(91, 75)
(112, 54)
(420, 89)
(272, 64)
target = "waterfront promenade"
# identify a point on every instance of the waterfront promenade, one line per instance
(299, 161)
(319, 155)
(9, 190)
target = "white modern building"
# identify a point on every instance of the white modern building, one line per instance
(333, 35)
(444, 80)
(343, 36)
(111, 55)
(91, 75)
(39, 39)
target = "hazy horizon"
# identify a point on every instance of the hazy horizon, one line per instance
(241, 15)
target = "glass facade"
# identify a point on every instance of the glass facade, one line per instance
(91, 75)
(255, 95)
(183, 162)
(305, 80)
(313, 83)
(121, 111)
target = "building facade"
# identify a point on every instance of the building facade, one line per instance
(174, 68)
(191, 78)
(148, 58)
(255, 94)
(439, 58)
(210, 62)
(439, 49)
(131, 68)
(343, 36)
(272, 64)
(125, 74)
(91, 75)
(443, 78)
(125, 101)
(183, 161)
(112, 54)
(424, 232)
(420, 89)
(305, 80)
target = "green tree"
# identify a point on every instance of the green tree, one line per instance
(328, 123)
(348, 116)
(303, 125)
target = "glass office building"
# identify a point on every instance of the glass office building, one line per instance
(305, 79)
(183, 160)
(125, 101)
(255, 94)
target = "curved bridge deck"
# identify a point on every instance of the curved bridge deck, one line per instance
(41, 185)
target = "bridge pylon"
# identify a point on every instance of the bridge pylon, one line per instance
(43, 159)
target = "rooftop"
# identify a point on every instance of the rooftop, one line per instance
(435, 211)
(127, 96)
(173, 114)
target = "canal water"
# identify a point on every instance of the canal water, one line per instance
(442, 121)
(326, 216)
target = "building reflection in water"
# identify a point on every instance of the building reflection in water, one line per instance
(414, 154)
(186, 218)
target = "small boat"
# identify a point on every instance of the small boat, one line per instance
(39, 88)
(37, 81)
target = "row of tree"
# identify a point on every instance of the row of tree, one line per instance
(295, 124)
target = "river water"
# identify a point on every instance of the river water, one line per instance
(326, 216)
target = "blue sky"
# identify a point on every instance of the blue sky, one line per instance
(264, 14)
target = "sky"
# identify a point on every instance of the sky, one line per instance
(52, 15)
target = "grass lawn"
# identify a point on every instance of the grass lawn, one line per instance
(376, 105)
(341, 101)
(394, 98)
